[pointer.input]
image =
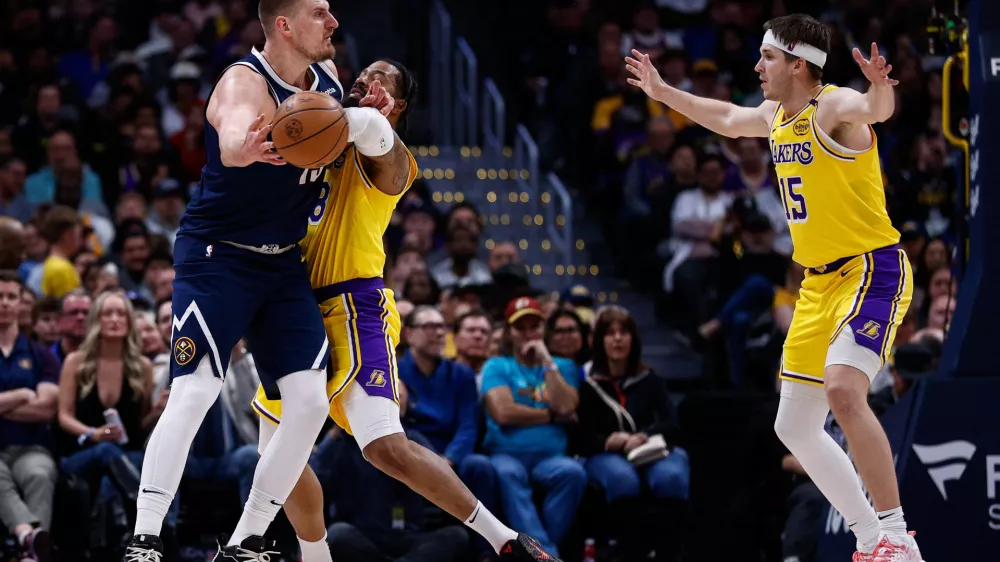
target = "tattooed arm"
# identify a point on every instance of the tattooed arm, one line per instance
(390, 172)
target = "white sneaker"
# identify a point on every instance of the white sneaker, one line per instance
(897, 548)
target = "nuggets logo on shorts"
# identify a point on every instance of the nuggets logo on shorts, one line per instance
(183, 351)
(801, 127)
(377, 379)
(870, 330)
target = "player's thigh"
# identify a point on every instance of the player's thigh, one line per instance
(804, 351)
(286, 335)
(869, 303)
(368, 416)
(363, 329)
(212, 306)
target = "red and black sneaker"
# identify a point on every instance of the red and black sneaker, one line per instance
(525, 549)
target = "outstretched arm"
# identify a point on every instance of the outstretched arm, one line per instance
(875, 106)
(386, 160)
(240, 110)
(721, 117)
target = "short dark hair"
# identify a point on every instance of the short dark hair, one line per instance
(407, 85)
(10, 276)
(57, 221)
(475, 313)
(45, 305)
(267, 10)
(801, 28)
(707, 157)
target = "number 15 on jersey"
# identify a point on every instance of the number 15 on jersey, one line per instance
(793, 199)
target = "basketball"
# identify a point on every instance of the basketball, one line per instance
(310, 130)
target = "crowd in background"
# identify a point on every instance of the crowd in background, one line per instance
(101, 143)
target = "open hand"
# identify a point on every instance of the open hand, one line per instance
(646, 75)
(378, 98)
(256, 147)
(875, 69)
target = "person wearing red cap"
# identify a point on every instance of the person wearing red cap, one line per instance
(528, 395)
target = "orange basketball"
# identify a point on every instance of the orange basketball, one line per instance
(310, 129)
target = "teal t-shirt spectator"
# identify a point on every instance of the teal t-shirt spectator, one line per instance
(527, 384)
(40, 187)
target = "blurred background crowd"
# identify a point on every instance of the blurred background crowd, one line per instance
(101, 144)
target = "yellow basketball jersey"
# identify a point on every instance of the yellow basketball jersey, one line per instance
(833, 197)
(344, 239)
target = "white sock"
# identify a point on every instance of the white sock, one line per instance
(867, 531)
(487, 525)
(258, 513)
(892, 521)
(802, 412)
(318, 551)
(191, 396)
(304, 397)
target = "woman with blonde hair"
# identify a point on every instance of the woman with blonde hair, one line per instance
(105, 411)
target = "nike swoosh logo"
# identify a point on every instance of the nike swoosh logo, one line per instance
(881, 517)
(148, 491)
(844, 273)
(474, 515)
(276, 503)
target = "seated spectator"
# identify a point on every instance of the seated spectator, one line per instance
(168, 206)
(161, 363)
(622, 405)
(443, 404)
(580, 300)
(63, 232)
(107, 372)
(40, 187)
(27, 302)
(74, 310)
(455, 302)
(150, 340)
(45, 321)
(13, 202)
(13, 243)
(421, 288)
(502, 254)
(566, 336)
(97, 228)
(529, 395)
(473, 331)
(461, 267)
(379, 518)
(28, 397)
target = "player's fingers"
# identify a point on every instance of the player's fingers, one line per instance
(629, 61)
(893, 82)
(637, 54)
(257, 122)
(858, 57)
(881, 62)
(874, 51)
(634, 82)
(267, 147)
(634, 70)
(263, 131)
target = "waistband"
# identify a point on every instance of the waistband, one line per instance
(267, 249)
(835, 265)
(326, 293)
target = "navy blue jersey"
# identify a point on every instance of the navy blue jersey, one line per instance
(260, 204)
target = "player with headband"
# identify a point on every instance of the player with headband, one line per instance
(858, 282)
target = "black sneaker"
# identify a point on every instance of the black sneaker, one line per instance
(525, 549)
(144, 548)
(253, 549)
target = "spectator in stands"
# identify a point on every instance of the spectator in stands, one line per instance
(466, 215)
(28, 299)
(405, 263)
(443, 403)
(648, 36)
(98, 230)
(455, 302)
(74, 309)
(940, 312)
(697, 219)
(168, 206)
(472, 340)
(161, 363)
(40, 187)
(622, 405)
(135, 252)
(502, 254)
(89, 66)
(13, 243)
(461, 267)
(379, 518)
(419, 226)
(529, 396)
(13, 202)
(108, 371)
(45, 321)
(148, 166)
(28, 397)
(926, 192)
(579, 299)
(150, 340)
(63, 232)
(421, 288)
(566, 336)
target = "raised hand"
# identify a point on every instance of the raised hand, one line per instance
(378, 98)
(646, 75)
(256, 147)
(875, 69)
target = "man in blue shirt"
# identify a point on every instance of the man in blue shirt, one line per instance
(443, 403)
(73, 323)
(29, 394)
(528, 395)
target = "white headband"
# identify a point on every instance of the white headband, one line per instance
(797, 48)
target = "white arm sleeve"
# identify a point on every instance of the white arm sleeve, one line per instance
(369, 130)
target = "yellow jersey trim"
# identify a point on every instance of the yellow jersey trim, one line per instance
(361, 169)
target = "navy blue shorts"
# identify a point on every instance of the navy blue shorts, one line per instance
(223, 293)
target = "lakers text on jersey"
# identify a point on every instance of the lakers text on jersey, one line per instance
(833, 197)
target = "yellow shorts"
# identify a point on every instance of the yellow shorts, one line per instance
(363, 328)
(848, 316)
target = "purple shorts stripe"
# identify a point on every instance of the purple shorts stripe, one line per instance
(859, 296)
(875, 318)
(375, 368)
(895, 306)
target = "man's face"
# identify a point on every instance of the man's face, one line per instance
(10, 302)
(711, 175)
(427, 334)
(164, 320)
(74, 316)
(135, 252)
(774, 71)
(473, 337)
(46, 328)
(312, 25)
(502, 254)
(463, 244)
(62, 147)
